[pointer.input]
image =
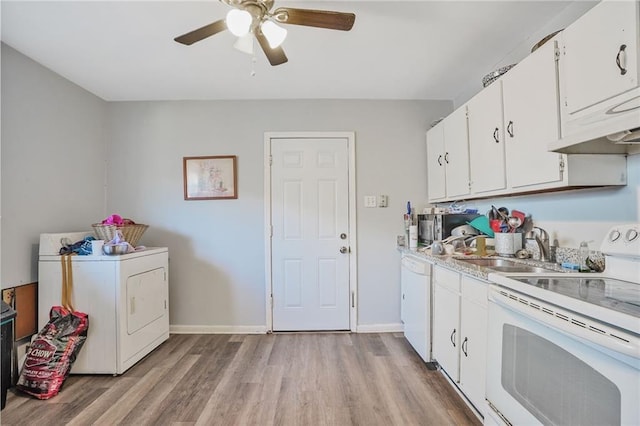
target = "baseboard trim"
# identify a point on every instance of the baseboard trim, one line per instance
(261, 329)
(380, 328)
(217, 329)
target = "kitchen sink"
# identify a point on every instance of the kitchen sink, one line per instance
(505, 265)
(492, 262)
(521, 268)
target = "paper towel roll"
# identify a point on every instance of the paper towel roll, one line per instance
(413, 236)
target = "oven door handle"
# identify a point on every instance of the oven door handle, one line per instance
(567, 322)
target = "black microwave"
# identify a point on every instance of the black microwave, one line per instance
(435, 227)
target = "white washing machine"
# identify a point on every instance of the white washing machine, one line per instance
(126, 298)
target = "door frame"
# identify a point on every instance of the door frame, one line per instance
(353, 255)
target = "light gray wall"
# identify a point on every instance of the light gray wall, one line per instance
(53, 168)
(217, 247)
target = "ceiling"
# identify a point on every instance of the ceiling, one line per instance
(124, 50)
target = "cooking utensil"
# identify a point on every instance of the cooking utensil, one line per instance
(504, 212)
(481, 223)
(464, 230)
(520, 215)
(514, 222)
(501, 212)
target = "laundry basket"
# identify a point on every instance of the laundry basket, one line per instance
(131, 232)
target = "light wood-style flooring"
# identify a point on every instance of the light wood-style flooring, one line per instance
(276, 379)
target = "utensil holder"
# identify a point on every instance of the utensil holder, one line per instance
(508, 243)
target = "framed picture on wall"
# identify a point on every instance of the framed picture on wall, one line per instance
(210, 178)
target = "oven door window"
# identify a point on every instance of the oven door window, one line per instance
(553, 385)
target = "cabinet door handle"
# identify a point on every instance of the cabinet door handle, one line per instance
(464, 349)
(510, 128)
(446, 157)
(453, 333)
(495, 135)
(440, 160)
(622, 53)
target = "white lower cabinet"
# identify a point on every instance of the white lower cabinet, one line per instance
(473, 344)
(446, 320)
(460, 331)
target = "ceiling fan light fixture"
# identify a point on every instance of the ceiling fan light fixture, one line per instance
(239, 22)
(274, 33)
(245, 44)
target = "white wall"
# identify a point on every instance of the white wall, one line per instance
(217, 247)
(53, 170)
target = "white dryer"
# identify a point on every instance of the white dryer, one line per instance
(126, 298)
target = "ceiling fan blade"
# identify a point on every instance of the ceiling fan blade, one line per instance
(315, 18)
(202, 33)
(276, 55)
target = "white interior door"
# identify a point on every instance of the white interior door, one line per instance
(310, 241)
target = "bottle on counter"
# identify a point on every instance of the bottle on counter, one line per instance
(583, 254)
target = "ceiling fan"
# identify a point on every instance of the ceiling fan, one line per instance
(254, 18)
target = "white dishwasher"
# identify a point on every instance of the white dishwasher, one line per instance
(415, 311)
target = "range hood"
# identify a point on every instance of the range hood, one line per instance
(609, 135)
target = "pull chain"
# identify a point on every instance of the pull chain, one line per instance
(253, 65)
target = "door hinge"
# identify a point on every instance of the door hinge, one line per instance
(561, 163)
(556, 54)
(270, 231)
(165, 275)
(270, 160)
(165, 305)
(353, 299)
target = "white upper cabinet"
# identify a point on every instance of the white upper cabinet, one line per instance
(531, 119)
(456, 155)
(599, 81)
(448, 157)
(600, 54)
(544, 125)
(435, 163)
(486, 140)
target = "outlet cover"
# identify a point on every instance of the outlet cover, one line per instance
(370, 201)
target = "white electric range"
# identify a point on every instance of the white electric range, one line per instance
(565, 348)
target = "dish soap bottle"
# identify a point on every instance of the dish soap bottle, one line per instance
(583, 254)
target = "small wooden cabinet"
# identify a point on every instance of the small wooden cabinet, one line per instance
(24, 299)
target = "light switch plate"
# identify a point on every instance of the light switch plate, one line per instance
(370, 201)
(383, 200)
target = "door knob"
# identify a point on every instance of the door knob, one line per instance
(343, 249)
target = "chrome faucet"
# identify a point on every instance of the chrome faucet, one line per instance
(541, 237)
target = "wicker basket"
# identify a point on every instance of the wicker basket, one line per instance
(131, 233)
